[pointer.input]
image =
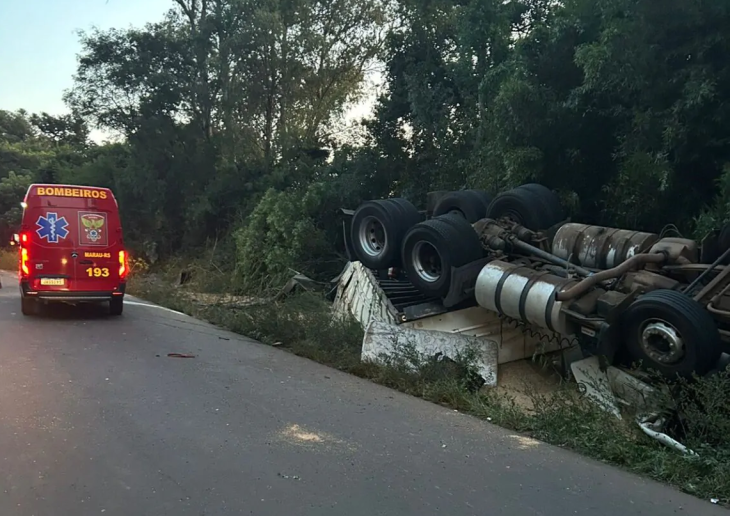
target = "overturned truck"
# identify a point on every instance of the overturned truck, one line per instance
(626, 296)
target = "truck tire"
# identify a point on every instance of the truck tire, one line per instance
(671, 333)
(411, 216)
(116, 306)
(432, 247)
(465, 230)
(376, 232)
(549, 200)
(470, 204)
(525, 206)
(485, 197)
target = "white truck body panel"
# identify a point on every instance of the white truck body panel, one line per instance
(360, 295)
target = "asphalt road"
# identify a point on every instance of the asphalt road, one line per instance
(96, 419)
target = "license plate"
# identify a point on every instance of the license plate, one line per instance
(56, 282)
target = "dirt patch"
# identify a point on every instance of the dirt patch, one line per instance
(295, 433)
(525, 443)
(313, 440)
(523, 378)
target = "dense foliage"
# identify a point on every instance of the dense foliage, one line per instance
(229, 116)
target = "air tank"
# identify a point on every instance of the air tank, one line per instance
(523, 294)
(597, 247)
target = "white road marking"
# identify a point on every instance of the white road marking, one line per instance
(128, 302)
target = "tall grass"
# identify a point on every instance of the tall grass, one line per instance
(8, 259)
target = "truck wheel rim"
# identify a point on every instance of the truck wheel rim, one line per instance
(372, 236)
(514, 216)
(427, 262)
(662, 342)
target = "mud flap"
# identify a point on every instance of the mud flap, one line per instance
(463, 282)
(607, 342)
(603, 344)
(609, 338)
(346, 233)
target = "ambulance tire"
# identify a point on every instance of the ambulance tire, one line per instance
(116, 306)
(28, 306)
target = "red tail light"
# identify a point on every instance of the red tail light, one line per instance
(24, 238)
(123, 265)
(24, 270)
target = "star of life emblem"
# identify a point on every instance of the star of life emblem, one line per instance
(52, 228)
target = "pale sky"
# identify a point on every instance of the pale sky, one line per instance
(38, 44)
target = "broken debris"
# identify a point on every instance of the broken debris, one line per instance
(382, 341)
(181, 355)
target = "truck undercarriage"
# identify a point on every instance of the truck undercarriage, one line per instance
(661, 302)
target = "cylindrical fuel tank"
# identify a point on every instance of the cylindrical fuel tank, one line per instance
(598, 247)
(523, 294)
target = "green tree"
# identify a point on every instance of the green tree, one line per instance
(224, 99)
(228, 110)
(12, 191)
(62, 130)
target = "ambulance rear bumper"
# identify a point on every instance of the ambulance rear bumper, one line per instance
(71, 296)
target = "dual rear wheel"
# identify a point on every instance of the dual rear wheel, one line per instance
(379, 228)
(533, 206)
(471, 205)
(431, 248)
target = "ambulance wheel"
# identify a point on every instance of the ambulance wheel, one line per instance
(28, 306)
(116, 306)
